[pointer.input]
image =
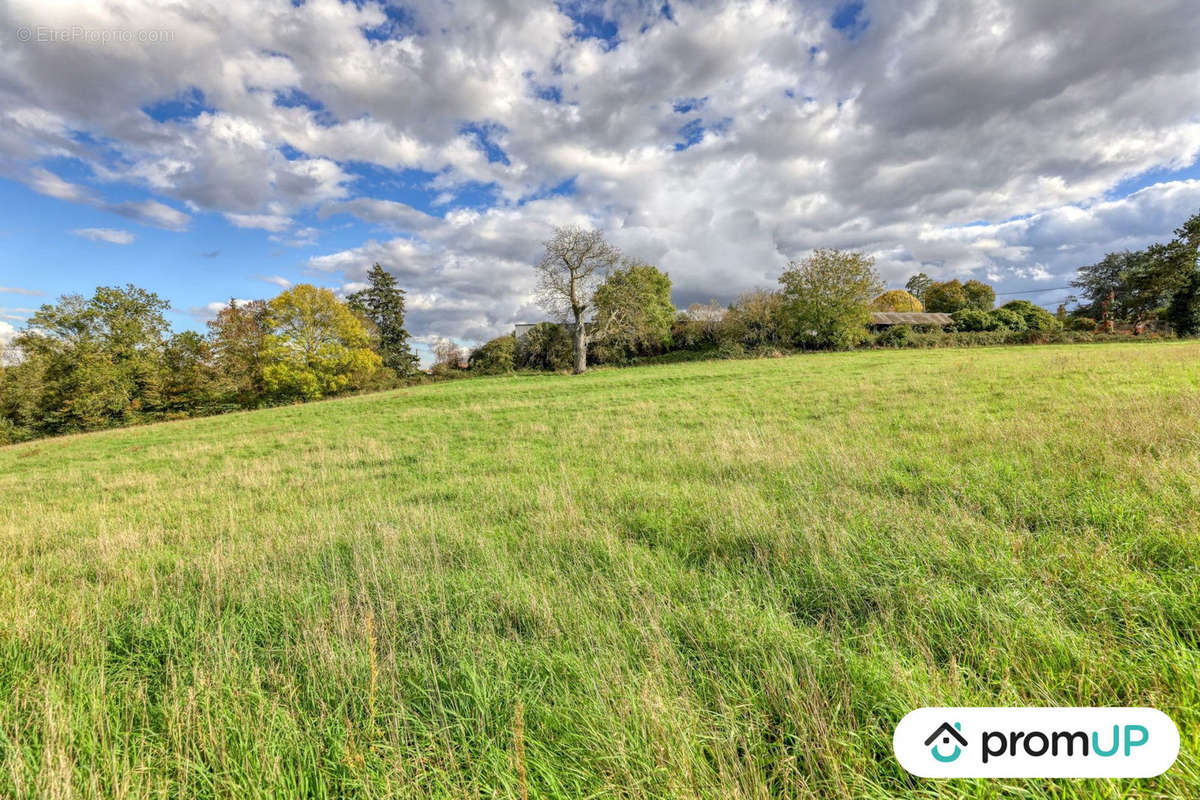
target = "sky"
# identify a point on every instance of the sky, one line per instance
(208, 151)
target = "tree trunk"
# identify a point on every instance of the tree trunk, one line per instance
(580, 346)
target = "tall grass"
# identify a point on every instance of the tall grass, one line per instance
(721, 579)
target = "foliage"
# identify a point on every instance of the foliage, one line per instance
(574, 265)
(972, 319)
(946, 297)
(979, 295)
(1077, 323)
(1036, 318)
(826, 298)
(1009, 319)
(896, 300)
(316, 347)
(699, 327)
(382, 303)
(894, 336)
(1184, 312)
(190, 382)
(917, 285)
(756, 319)
(545, 346)
(88, 363)
(1142, 283)
(633, 312)
(238, 336)
(495, 357)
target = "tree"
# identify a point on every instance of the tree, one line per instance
(382, 303)
(1184, 311)
(757, 319)
(980, 296)
(917, 285)
(447, 354)
(826, 298)
(633, 310)
(494, 357)
(946, 297)
(1139, 284)
(93, 362)
(897, 300)
(575, 263)
(189, 383)
(238, 336)
(316, 347)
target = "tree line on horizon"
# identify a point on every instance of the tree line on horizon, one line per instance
(87, 363)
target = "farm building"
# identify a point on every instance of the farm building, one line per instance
(886, 319)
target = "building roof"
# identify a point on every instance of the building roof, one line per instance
(909, 318)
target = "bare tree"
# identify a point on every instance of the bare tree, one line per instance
(576, 262)
(448, 353)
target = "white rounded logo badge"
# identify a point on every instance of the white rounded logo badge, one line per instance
(1036, 742)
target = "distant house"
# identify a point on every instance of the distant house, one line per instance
(522, 328)
(886, 319)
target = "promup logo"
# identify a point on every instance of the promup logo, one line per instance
(1036, 742)
(946, 732)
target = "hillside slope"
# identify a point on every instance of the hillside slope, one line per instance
(717, 579)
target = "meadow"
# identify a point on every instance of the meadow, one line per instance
(721, 579)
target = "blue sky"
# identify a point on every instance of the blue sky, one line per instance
(238, 151)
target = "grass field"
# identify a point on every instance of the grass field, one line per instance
(723, 579)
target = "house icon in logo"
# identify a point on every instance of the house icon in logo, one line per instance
(945, 732)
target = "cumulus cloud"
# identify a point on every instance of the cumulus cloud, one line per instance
(975, 138)
(110, 235)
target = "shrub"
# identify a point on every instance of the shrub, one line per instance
(1007, 319)
(730, 349)
(756, 319)
(895, 336)
(494, 357)
(972, 319)
(545, 346)
(1036, 318)
(1085, 324)
(699, 327)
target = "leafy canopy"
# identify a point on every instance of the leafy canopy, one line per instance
(826, 298)
(896, 300)
(316, 346)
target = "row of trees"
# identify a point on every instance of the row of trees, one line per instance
(87, 363)
(608, 308)
(1161, 282)
(95, 362)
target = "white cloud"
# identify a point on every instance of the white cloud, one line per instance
(979, 138)
(266, 222)
(110, 235)
(18, 290)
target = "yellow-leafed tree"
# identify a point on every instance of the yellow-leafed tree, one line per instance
(896, 300)
(316, 347)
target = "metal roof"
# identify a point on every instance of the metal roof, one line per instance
(909, 318)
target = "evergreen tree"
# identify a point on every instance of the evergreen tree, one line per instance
(383, 304)
(1184, 311)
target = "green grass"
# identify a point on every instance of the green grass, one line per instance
(722, 579)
